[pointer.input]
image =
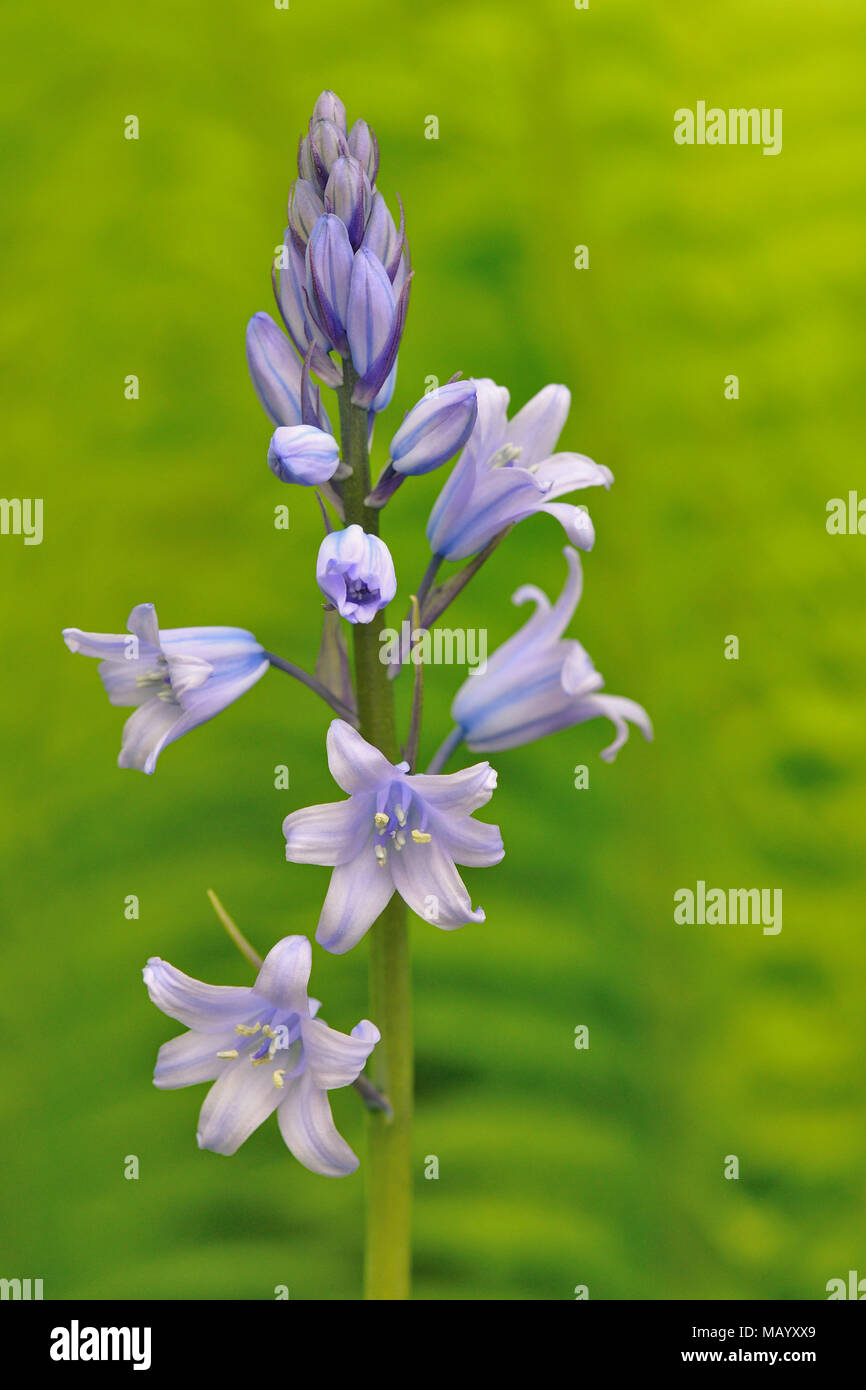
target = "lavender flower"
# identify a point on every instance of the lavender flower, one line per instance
(536, 684)
(303, 454)
(276, 375)
(508, 471)
(396, 831)
(355, 571)
(435, 429)
(178, 678)
(265, 1050)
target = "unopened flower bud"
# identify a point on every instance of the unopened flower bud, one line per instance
(348, 195)
(435, 429)
(303, 454)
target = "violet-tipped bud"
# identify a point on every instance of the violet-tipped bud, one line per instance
(364, 147)
(355, 571)
(327, 145)
(382, 237)
(275, 370)
(303, 454)
(329, 274)
(329, 107)
(348, 195)
(305, 209)
(435, 429)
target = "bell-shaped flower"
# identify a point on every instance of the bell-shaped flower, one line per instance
(178, 678)
(265, 1050)
(396, 832)
(508, 471)
(303, 454)
(536, 683)
(355, 571)
(435, 429)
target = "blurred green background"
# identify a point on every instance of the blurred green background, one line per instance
(557, 1167)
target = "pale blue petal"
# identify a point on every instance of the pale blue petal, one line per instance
(307, 1126)
(358, 893)
(241, 1100)
(204, 1008)
(332, 1058)
(331, 833)
(285, 974)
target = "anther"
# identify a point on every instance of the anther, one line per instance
(421, 837)
(247, 1030)
(229, 1054)
(381, 819)
(381, 854)
(278, 1078)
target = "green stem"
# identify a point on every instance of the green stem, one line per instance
(389, 1148)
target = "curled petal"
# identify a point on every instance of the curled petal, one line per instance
(457, 793)
(205, 1008)
(575, 521)
(333, 1059)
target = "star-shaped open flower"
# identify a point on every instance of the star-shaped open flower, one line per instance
(265, 1050)
(509, 471)
(397, 831)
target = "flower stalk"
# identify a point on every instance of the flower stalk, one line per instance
(388, 1170)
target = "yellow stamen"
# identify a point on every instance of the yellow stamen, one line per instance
(278, 1078)
(421, 837)
(400, 814)
(247, 1030)
(381, 819)
(268, 1032)
(227, 1056)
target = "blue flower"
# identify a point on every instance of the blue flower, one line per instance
(178, 678)
(396, 831)
(435, 429)
(355, 571)
(303, 454)
(508, 471)
(265, 1050)
(536, 684)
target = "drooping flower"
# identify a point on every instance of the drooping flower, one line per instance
(303, 454)
(178, 678)
(397, 831)
(435, 429)
(536, 683)
(355, 571)
(508, 471)
(265, 1049)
